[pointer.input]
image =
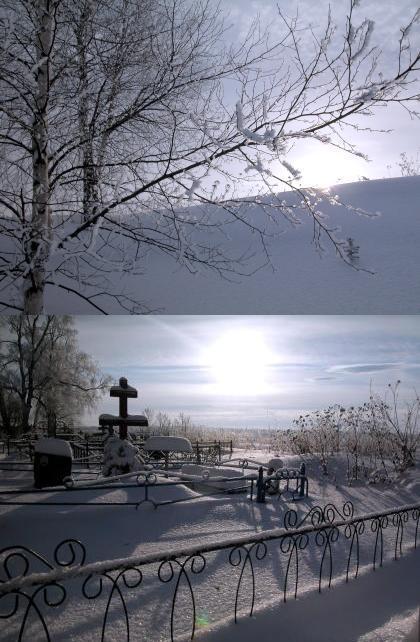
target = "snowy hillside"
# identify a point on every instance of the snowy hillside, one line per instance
(300, 281)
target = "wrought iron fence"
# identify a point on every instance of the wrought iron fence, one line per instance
(144, 481)
(90, 450)
(31, 585)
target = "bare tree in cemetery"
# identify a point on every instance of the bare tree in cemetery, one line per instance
(43, 373)
(117, 138)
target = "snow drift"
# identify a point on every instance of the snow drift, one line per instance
(298, 280)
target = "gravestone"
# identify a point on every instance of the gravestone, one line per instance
(52, 462)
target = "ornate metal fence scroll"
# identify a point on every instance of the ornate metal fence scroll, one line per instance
(171, 568)
(17, 563)
(330, 542)
(242, 556)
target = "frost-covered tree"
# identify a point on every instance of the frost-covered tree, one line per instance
(318, 433)
(45, 380)
(119, 135)
(401, 422)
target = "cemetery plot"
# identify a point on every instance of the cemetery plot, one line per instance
(231, 572)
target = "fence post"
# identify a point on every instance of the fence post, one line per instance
(87, 450)
(302, 480)
(260, 486)
(198, 453)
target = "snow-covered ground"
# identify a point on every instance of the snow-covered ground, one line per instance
(377, 606)
(299, 280)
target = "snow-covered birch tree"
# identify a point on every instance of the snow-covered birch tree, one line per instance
(119, 135)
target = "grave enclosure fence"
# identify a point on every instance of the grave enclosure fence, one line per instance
(89, 449)
(129, 592)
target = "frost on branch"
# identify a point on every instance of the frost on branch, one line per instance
(195, 185)
(268, 138)
(363, 33)
(294, 172)
(258, 166)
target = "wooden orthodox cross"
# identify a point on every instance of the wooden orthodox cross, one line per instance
(123, 391)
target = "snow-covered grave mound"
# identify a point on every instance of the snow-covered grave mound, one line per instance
(212, 476)
(120, 456)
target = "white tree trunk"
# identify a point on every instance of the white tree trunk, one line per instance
(38, 248)
(83, 35)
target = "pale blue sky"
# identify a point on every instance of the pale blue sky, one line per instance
(252, 370)
(317, 163)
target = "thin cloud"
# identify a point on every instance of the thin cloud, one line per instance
(364, 367)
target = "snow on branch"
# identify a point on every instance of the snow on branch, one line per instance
(294, 172)
(364, 32)
(258, 166)
(195, 185)
(268, 138)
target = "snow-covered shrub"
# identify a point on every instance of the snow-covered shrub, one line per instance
(317, 433)
(120, 456)
(400, 422)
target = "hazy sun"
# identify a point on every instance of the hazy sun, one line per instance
(322, 166)
(238, 362)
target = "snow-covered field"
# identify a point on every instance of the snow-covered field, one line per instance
(299, 280)
(377, 606)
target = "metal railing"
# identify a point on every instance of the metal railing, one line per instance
(257, 484)
(144, 481)
(84, 448)
(335, 535)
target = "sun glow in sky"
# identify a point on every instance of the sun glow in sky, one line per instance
(256, 371)
(238, 361)
(323, 166)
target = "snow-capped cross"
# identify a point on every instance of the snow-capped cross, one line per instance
(123, 391)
